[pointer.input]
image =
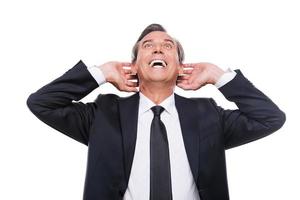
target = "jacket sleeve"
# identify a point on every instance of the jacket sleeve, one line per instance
(57, 104)
(256, 117)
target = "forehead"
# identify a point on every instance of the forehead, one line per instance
(157, 35)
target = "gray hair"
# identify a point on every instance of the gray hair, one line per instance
(149, 29)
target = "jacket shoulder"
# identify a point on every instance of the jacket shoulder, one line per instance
(196, 100)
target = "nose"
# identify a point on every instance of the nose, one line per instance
(157, 49)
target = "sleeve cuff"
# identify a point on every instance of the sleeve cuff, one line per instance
(225, 78)
(97, 74)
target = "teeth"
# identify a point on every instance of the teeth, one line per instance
(158, 63)
(157, 66)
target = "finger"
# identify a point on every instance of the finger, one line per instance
(126, 64)
(130, 89)
(195, 79)
(131, 76)
(184, 86)
(131, 83)
(183, 77)
(185, 82)
(127, 71)
(189, 86)
(127, 88)
(188, 65)
(187, 71)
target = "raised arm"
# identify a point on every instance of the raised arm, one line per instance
(257, 115)
(57, 103)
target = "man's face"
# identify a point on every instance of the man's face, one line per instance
(157, 59)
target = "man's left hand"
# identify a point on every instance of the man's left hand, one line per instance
(196, 75)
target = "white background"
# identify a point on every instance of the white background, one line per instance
(40, 40)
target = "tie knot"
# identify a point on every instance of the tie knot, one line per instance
(157, 110)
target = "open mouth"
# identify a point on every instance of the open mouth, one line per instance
(158, 63)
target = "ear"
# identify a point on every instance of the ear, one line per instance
(134, 68)
(180, 69)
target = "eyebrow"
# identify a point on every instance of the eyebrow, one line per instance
(147, 41)
(166, 40)
(169, 40)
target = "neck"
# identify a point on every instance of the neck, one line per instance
(157, 93)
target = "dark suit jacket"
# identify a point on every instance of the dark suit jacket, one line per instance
(109, 127)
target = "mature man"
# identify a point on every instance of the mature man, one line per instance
(156, 144)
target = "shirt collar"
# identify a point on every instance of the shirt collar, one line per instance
(146, 104)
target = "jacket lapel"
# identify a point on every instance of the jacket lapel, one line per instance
(187, 113)
(129, 108)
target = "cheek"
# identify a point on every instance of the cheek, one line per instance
(173, 56)
(142, 54)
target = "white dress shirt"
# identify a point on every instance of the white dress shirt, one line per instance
(183, 184)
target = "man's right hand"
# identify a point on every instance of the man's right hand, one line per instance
(120, 75)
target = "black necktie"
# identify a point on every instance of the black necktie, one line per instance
(160, 173)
